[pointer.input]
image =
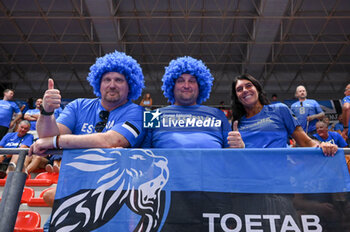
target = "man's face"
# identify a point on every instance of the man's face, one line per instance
(23, 129)
(186, 90)
(114, 88)
(347, 90)
(322, 130)
(9, 95)
(301, 92)
(38, 103)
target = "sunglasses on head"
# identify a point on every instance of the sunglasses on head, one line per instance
(104, 117)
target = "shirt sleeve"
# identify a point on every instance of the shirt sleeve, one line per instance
(16, 109)
(286, 115)
(130, 126)
(318, 107)
(68, 116)
(346, 100)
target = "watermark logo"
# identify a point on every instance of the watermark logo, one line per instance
(151, 119)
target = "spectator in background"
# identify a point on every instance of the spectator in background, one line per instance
(7, 108)
(274, 99)
(32, 116)
(339, 127)
(307, 111)
(147, 101)
(264, 125)
(346, 112)
(29, 104)
(18, 139)
(323, 135)
(326, 120)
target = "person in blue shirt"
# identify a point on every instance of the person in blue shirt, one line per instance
(7, 108)
(346, 111)
(186, 123)
(307, 111)
(323, 135)
(110, 120)
(116, 79)
(262, 125)
(339, 127)
(32, 116)
(18, 139)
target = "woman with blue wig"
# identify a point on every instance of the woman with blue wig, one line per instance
(187, 83)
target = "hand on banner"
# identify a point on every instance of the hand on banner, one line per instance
(328, 149)
(41, 146)
(52, 97)
(234, 137)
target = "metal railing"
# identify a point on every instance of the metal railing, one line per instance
(12, 194)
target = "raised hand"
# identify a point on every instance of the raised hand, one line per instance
(234, 137)
(52, 97)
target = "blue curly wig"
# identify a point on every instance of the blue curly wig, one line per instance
(121, 63)
(191, 66)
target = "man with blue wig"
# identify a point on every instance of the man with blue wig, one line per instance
(187, 83)
(116, 79)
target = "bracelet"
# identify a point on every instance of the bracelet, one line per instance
(43, 112)
(346, 127)
(57, 142)
(54, 142)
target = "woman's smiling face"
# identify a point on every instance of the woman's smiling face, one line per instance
(247, 93)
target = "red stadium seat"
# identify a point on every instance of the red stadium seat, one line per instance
(3, 181)
(28, 193)
(28, 221)
(43, 179)
(38, 202)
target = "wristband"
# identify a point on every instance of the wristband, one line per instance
(346, 127)
(54, 142)
(57, 142)
(43, 112)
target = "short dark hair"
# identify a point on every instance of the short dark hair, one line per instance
(8, 90)
(238, 110)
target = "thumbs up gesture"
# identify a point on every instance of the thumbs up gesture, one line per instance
(52, 97)
(234, 137)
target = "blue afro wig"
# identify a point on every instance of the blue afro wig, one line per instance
(191, 66)
(121, 63)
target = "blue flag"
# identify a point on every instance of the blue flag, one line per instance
(199, 190)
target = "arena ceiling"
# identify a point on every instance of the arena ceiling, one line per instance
(283, 43)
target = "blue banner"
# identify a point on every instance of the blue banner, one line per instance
(201, 190)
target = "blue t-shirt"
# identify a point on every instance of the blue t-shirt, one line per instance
(81, 116)
(339, 126)
(33, 112)
(189, 127)
(57, 112)
(334, 138)
(269, 128)
(304, 109)
(11, 140)
(7, 108)
(346, 99)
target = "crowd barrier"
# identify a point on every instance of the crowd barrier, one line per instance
(193, 190)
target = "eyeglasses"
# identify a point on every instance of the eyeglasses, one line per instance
(101, 125)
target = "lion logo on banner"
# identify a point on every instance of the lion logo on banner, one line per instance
(137, 184)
